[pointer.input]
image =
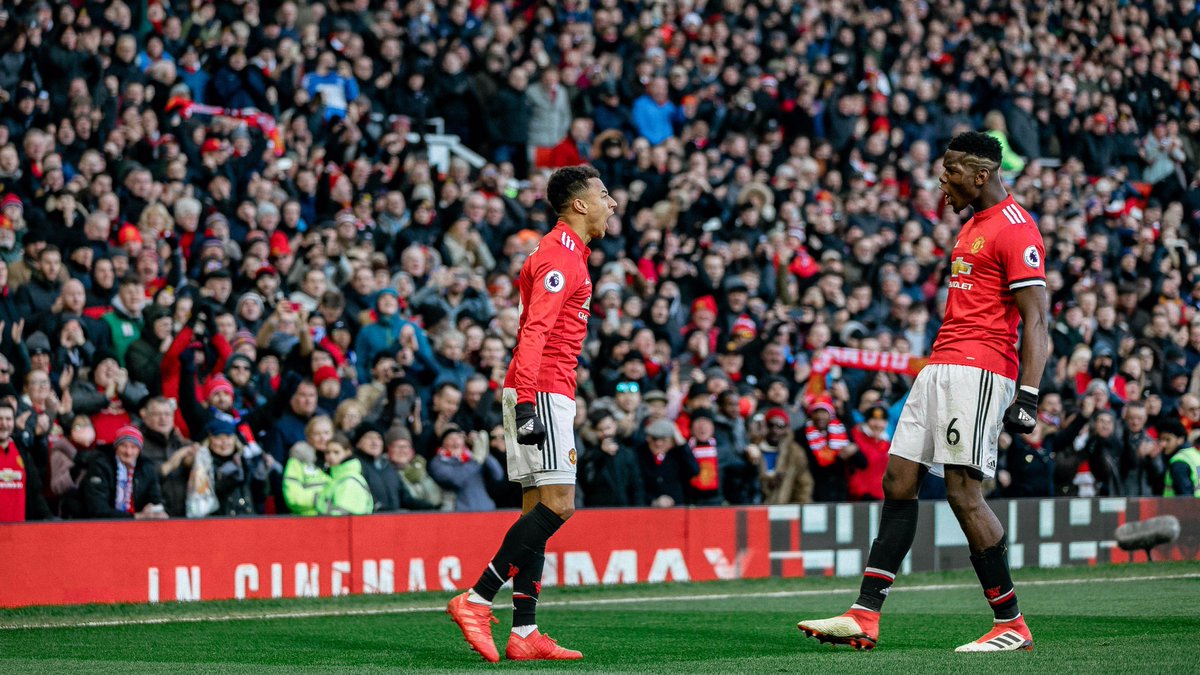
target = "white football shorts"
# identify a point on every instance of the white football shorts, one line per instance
(554, 462)
(953, 415)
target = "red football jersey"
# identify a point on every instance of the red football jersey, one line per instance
(12, 484)
(556, 301)
(999, 250)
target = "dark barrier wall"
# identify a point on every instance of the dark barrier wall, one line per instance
(160, 561)
(835, 538)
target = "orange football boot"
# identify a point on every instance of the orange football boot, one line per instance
(476, 623)
(538, 647)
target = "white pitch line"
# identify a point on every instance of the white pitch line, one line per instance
(599, 602)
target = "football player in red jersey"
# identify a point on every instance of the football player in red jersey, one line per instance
(958, 404)
(539, 413)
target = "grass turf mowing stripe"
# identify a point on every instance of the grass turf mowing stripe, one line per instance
(595, 602)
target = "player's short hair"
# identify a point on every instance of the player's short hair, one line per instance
(976, 144)
(568, 183)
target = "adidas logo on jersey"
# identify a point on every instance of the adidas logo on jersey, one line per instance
(568, 241)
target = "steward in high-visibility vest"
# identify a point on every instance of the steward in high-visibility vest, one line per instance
(347, 493)
(1183, 474)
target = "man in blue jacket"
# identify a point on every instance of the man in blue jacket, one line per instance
(387, 333)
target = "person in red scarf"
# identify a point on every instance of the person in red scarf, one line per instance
(872, 440)
(705, 486)
(830, 453)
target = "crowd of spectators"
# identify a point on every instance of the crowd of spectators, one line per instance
(233, 282)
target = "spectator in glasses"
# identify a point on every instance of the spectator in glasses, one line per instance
(782, 463)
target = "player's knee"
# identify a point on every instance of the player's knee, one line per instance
(562, 509)
(896, 485)
(560, 500)
(962, 497)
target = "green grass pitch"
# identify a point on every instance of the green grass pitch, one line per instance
(1139, 618)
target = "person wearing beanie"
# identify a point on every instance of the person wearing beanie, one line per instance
(782, 464)
(377, 470)
(250, 311)
(329, 387)
(388, 333)
(220, 483)
(120, 483)
(218, 408)
(418, 492)
(218, 392)
(831, 455)
(240, 372)
(873, 443)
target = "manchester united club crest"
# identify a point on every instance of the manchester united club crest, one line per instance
(977, 245)
(571, 456)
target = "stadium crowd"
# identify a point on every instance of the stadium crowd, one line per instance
(233, 282)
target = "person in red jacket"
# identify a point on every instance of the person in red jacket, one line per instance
(873, 443)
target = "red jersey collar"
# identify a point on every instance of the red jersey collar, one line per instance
(584, 251)
(995, 207)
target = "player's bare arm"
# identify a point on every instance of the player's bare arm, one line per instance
(1033, 303)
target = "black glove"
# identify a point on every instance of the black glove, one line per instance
(1021, 416)
(199, 322)
(530, 430)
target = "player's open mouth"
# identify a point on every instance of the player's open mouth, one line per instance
(947, 200)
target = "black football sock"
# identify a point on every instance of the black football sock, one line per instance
(527, 586)
(991, 566)
(525, 541)
(897, 528)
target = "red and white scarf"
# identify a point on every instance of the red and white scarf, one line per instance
(826, 445)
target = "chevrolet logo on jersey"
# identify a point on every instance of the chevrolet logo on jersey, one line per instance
(960, 268)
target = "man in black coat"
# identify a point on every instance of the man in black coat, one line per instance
(610, 472)
(120, 483)
(666, 466)
(1023, 126)
(42, 290)
(381, 478)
